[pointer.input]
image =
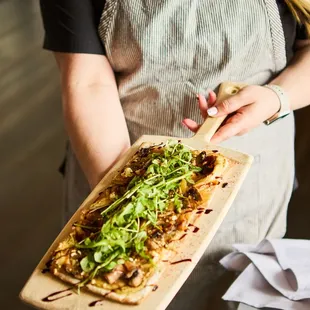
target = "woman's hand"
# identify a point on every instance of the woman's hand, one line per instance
(247, 109)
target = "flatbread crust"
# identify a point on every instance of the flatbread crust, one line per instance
(206, 188)
(131, 298)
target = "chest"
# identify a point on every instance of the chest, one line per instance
(188, 34)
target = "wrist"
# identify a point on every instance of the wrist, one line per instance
(284, 108)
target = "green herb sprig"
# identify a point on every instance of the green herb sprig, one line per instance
(127, 219)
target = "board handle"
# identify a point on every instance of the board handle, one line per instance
(211, 124)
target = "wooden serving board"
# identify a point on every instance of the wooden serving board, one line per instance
(190, 249)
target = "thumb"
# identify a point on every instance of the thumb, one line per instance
(231, 104)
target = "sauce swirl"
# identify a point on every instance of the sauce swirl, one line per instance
(224, 185)
(181, 261)
(196, 229)
(183, 236)
(57, 295)
(208, 211)
(155, 288)
(96, 303)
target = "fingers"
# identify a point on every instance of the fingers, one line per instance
(204, 104)
(247, 109)
(190, 124)
(231, 128)
(245, 97)
(237, 125)
(211, 97)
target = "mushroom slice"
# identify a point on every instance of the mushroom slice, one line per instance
(115, 274)
(136, 278)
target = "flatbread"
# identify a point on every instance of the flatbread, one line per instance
(212, 167)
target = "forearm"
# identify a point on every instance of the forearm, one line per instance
(295, 79)
(96, 127)
(94, 118)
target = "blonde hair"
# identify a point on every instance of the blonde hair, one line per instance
(301, 12)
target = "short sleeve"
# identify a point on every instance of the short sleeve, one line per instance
(71, 26)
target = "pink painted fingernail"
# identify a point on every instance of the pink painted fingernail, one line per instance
(212, 111)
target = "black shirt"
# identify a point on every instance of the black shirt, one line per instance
(72, 26)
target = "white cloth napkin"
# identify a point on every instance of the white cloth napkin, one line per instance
(275, 274)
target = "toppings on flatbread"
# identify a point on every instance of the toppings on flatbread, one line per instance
(121, 239)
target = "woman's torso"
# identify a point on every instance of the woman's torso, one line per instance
(287, 19)
(164, 53)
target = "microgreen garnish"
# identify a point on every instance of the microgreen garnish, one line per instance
(127, 220)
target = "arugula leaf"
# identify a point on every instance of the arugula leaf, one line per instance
(87, 241)
(87, 264)
(99, 256)
(122, 218)
(111, 266)
(140, 206)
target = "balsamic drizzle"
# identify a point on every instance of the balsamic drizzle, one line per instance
(96, 303)
(50, 298)
(224, 185)
(181, 261)
(155, 288)
(196, 229)
(183, 236)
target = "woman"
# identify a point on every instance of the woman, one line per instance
(134, 67)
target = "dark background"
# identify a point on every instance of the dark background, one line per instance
(32, 143)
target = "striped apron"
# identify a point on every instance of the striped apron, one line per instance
(163, 53)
